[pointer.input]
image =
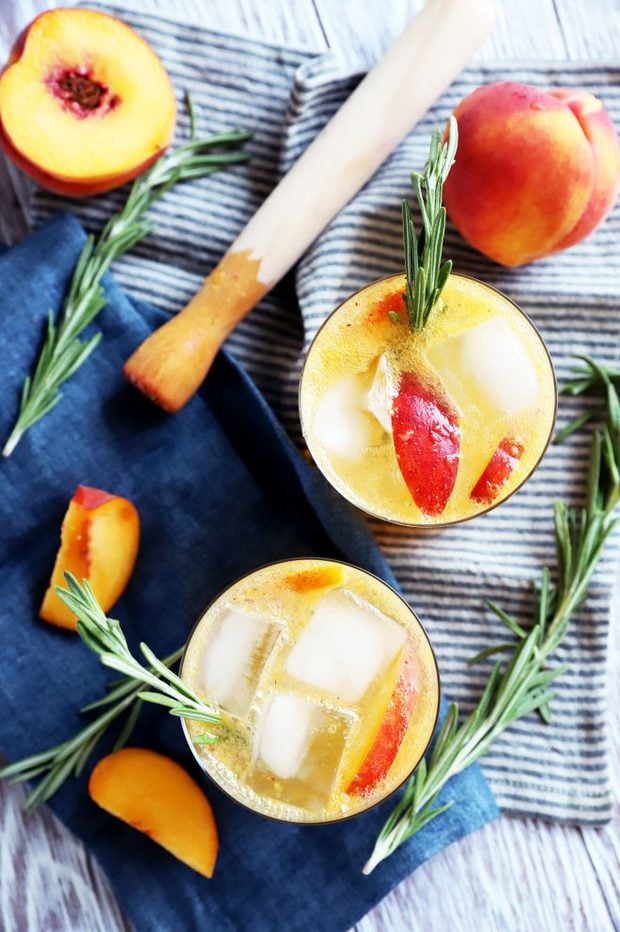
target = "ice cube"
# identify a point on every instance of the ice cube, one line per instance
(284, 733)
(381, 394)
(300, 742)
(340, 422)
(486, 366)
(344, 646)
(236, 651)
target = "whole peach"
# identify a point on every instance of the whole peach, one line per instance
(536, 170)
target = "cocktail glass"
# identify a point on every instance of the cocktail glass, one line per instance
(328, 689)
(432, 427)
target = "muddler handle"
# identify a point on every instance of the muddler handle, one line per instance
(434, 48)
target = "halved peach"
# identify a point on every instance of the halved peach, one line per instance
(99, 542)
(157, 796)
(85, 103)
(385, 730)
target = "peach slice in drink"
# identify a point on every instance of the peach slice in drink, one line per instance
(383, 736)
(498, 471)
(427, 443)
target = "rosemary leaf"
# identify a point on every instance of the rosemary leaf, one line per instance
(52, 782)
(490, 651)
(85, 752)
(105, 637)
(505, 617)
(149, 696)
(129, 725)
(573, 426)
(446, 732)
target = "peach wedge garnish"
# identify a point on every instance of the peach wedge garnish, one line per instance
(155, 795)
(99, 542)
(385, 725)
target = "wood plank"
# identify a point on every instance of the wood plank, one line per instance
(591, 30)
(48, 880)
(527, 30)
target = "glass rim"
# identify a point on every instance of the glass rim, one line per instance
(435, 525)
(395, 789)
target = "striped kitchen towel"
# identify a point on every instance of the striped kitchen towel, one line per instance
(558, 771)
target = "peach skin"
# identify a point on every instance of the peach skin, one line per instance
(171, 364)
(377, 747)
(85, 103)
(536, 170)
(157, 796)
(324, 577)
(99, 542)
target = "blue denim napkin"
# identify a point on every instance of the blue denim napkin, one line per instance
(220, 491)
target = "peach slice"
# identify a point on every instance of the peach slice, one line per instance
(85, 103)
(391, 732)
(498, 471)
(99, 542)
(320, 578)
(157, 796)
(385, 725)
(427, 442)
(391, 307)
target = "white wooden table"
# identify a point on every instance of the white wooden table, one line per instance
(514, 875)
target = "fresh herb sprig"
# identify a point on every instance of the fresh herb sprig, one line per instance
(588, 375)
(63, 351)
(426, 275)
(105, 637)
(56, 764)
(523, 685)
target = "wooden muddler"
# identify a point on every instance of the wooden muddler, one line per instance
(171, 364)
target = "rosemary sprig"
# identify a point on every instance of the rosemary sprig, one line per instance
(426, 276)
(63, 351)
(587, 376)
(105, 637)
(523, 685)
(56, 764)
